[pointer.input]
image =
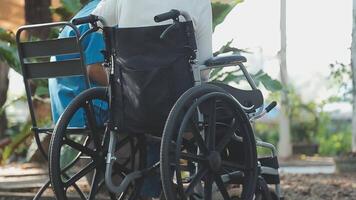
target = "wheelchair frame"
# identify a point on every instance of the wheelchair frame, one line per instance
(197, 69)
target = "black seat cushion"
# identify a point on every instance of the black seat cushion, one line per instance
(225, 60)
(252, 99)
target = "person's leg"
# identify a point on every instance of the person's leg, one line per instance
(152, 185)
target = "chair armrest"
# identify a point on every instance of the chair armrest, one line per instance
(225, 60)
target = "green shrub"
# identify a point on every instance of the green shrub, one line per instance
(333, 136)
(337, 144)
(267, 132)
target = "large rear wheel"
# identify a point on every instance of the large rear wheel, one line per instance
(77, 154)
(196, 157)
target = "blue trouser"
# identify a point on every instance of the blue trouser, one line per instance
(152, 184)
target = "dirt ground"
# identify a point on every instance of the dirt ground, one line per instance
(295, 186)
(319, 187)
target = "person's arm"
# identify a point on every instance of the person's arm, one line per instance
(97, 73)
(203, 33)
(93, 45)
(108, 9)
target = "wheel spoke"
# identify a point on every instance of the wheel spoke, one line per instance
(110, 194)
(41, 190)
(80, 148)
(219, 182)
(199, 140)
(211, 125)
(76, 187)
(80, 174)
(90, 114)
(227, 137)
(192, 157)
(197, 178)
(95, 185)
(124, 195)
(208, 187)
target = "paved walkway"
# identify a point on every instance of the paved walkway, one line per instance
(308, 170)
(308, 165)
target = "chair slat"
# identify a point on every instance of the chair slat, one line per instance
(53, 69)
(47, 48)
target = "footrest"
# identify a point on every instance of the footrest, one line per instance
(269, 162)
(272, 164)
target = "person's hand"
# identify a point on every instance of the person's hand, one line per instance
(97, 73)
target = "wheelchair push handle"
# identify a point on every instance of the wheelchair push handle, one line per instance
(173, 14)
(271, 106)
(264, 112)
(84, 20)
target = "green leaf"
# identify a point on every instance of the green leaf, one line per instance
(259, 74)
(68, 9)
(227, 48)
(16, 141)
(7, 36)
(8, 50)
(230, 77)
(41, 83)
(239, 78)
(72, 6)
(8, 54)
(269, 83)
(260, 77)
(42, 91)
(11, 102)
(215, 72)
(64, 13)
(221, 9)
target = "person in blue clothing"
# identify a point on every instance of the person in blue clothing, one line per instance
(63, 90)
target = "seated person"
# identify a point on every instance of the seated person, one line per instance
(63, 90)
(140, 13)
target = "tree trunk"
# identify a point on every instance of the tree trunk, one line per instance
(37, 11)
(4, 85)
(284, 144)
(353, 66)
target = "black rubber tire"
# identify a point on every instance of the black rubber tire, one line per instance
(57, 140)
(173, 123)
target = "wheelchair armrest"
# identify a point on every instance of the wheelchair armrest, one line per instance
(225, 60)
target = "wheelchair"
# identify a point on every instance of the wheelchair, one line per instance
(156, 95)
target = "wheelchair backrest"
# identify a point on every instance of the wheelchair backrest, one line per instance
(32, 69)
(152, 73)
(35, 57)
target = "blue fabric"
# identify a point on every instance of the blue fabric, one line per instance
(152, 184)
(63, 90)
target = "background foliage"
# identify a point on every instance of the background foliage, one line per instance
(309, 122)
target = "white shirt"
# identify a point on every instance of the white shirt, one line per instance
(139, 13)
